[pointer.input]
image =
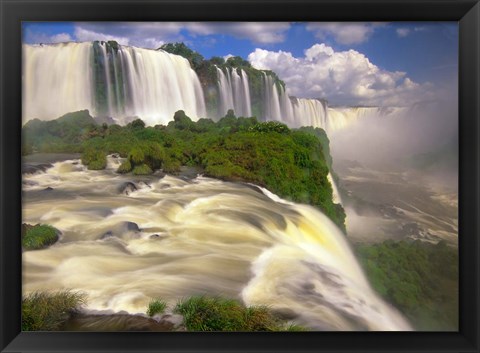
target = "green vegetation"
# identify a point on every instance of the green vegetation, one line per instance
(60, 135)
(38, 236)
(202, 313)
(142, 169)
(181, 49)
(419, 278)
(291, 163)
(44, 311)
(94, 159)
(156, 306)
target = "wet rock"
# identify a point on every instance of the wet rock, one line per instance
(106, 235)
(144, 183)
(127, 187)
(35, 168)
(123, 230)
(131, 226)
(116, 322)
(285, 314)
(175, 319)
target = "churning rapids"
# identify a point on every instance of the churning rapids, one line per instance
(172, 238)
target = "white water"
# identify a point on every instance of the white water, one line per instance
(196, 237)
(150, 84)
(57, 79)
(295, 112)
(234, 92)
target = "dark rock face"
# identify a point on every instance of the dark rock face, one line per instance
(122, 230)
(127, 187)
(116, 322)
(35, 168)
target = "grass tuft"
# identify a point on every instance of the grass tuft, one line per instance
(202, 313)
(48, 311)
(156, 306)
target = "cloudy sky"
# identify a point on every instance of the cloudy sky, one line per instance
(347, 63)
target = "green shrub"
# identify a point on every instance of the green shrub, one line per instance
(156, 306)
(38, 236)
(44, 311)
(171, 166)
(94, 159)
(136, 156)
(270, 126)
(125, 167)
(142, 169)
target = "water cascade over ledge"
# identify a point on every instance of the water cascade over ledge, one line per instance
(110, 80)
(173, 238)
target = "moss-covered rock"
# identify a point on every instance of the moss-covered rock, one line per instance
(125, 167)
(94, 159)
(142, 169)
(38, 236)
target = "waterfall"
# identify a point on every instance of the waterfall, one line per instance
(295, 112)
(234, 92)
(125, 82)
(109, 80)
(57, 79)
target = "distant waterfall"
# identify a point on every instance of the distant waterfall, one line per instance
(294, 112)
(234, 92)
(109, 80)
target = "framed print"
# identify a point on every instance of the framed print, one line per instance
(211, 176)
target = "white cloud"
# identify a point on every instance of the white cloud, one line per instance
(61, 37)
(85, 35)
(228, 56)
(403, 32)
(35, 37)
(141, 34)
(343, 77)
(344, 33)
(154, 34)
(263, 33)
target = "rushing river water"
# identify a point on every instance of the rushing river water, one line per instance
(126, 240)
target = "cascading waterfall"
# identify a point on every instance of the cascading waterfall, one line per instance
(272, 108)
(173, 238)
(295, 112)
(57, 79)
(234, 92)
(109, 80)
(125, 82)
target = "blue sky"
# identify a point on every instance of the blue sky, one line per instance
(407, 58)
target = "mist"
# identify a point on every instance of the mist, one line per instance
(421, 138)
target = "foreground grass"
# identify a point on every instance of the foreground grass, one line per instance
(420, 279)
(202, 313)
(38, 236)
(156, 306)
(48, 311)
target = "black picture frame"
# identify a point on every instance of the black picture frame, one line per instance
(13, 12)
